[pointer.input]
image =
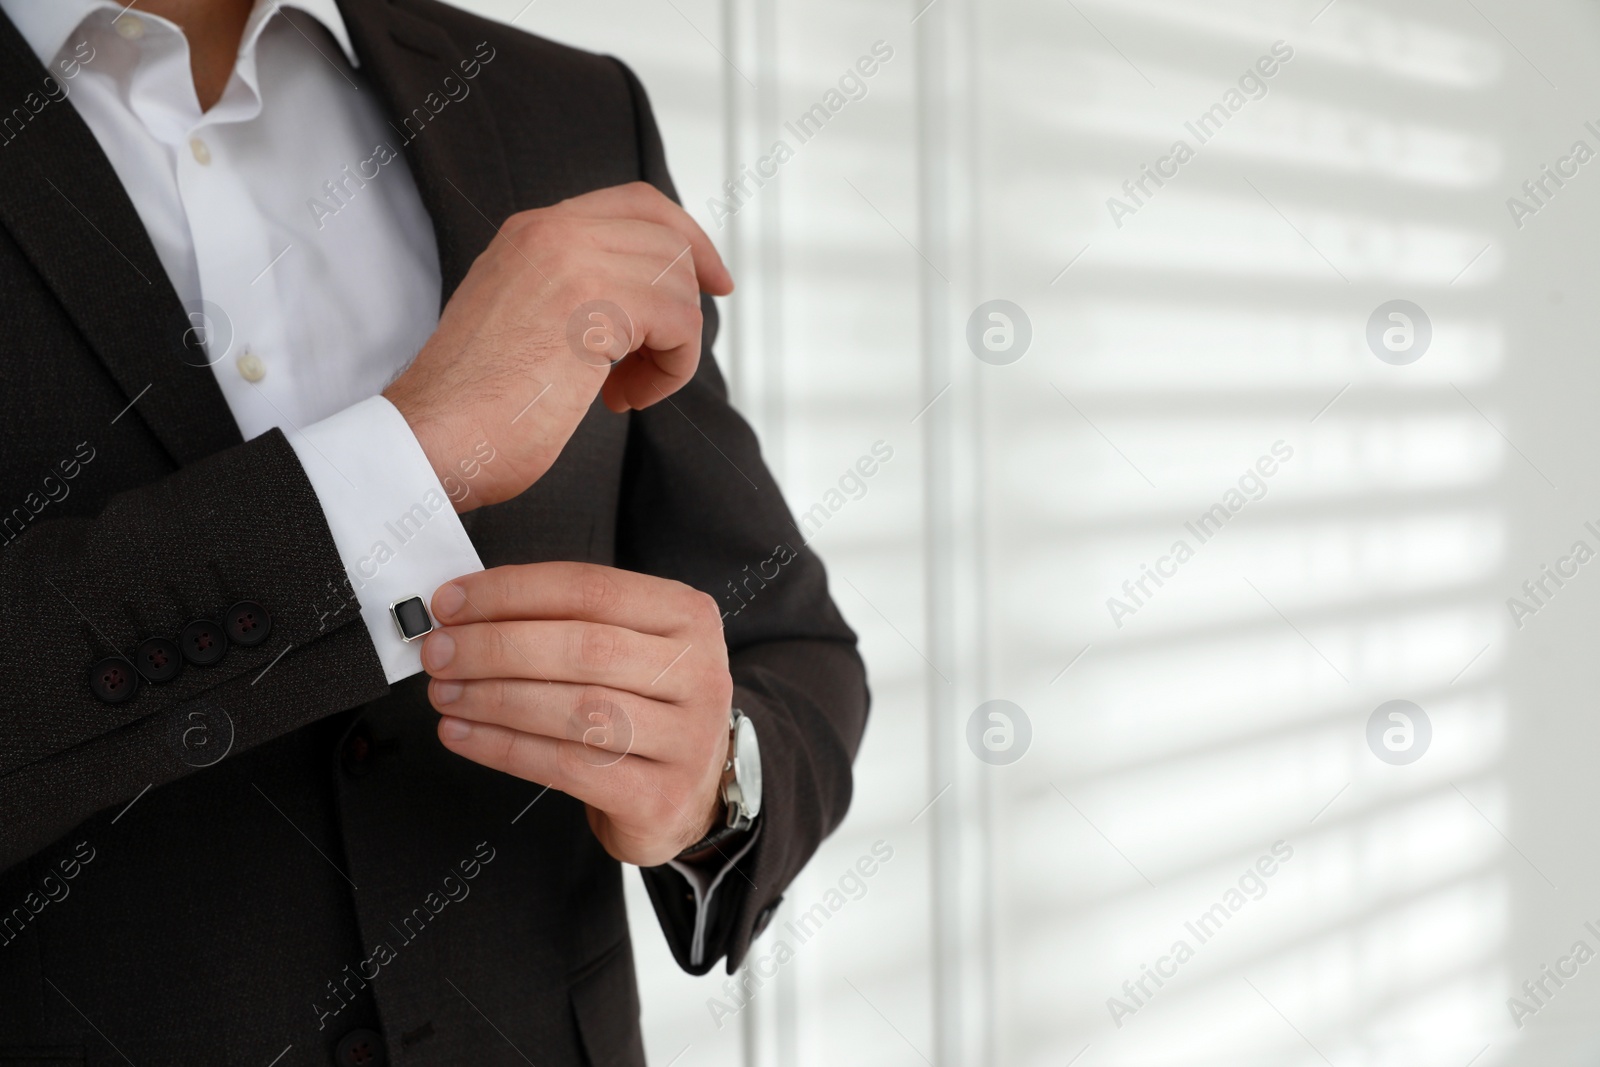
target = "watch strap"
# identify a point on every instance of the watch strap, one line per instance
(717, 836)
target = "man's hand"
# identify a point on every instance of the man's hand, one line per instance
(608, 685)
(502, 367)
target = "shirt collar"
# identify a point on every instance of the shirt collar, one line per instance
(47, 24)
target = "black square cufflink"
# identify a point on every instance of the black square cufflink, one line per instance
(411, 618)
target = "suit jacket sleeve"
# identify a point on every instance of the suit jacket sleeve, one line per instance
(242, 524)
(699, 505)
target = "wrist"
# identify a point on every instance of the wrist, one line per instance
(736, 804)
(718, 842)
(434, 438)
(715, 818)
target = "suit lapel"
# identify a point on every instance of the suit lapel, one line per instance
(452, 145)
(63, 204)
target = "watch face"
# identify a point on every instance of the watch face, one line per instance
(747, 766)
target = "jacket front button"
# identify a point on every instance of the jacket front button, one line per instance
(357, 753)
(203, 642)
(159, 660)
(247, 623)
(360, 1048)
(113, 680)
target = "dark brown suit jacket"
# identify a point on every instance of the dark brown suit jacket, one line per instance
(339, 870)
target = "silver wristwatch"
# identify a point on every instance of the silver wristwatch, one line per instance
(741, 783)
(741, 774)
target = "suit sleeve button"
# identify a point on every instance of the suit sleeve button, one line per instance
(158, 660)
(113, 680)
(247, 623)
(203, 642)
(764, 916)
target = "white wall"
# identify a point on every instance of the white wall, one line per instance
(1229, 711)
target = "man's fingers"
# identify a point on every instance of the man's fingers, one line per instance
(640, 200)
(636, 808)
(594, 776)
(609, 722)
(666, 352)
(584, 591)
(646, 377)
(660, 245)
(632, 792)
(663, 326)
(587, 653)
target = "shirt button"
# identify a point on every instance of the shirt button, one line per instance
(202, 152)
(251, 369)
(129, 27)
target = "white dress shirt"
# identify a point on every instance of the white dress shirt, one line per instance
(308, 266)
(309, 288)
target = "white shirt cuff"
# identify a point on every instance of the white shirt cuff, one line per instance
(705, 883)
(397, 533)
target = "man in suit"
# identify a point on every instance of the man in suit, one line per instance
(381, 563)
